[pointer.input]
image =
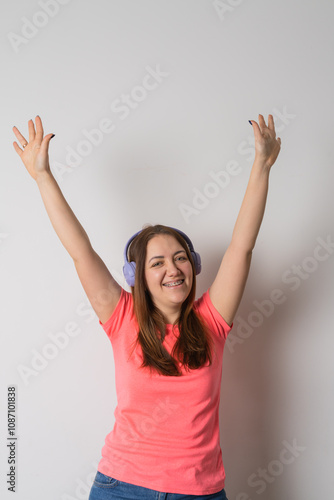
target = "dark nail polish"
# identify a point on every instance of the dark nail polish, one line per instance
(52, 136)
(250, 122)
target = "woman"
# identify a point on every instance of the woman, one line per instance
(168, 348)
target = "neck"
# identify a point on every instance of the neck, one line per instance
(171, 314)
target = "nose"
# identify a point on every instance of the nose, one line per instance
(172, 269)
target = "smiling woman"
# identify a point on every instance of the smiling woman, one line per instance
(170, 271)
(167, 346)
(163, 292)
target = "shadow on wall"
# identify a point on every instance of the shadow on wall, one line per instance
(254, 408)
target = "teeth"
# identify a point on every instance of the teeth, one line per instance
(174, 283)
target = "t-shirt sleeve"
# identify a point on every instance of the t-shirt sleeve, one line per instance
(214, 319)
(122, 310)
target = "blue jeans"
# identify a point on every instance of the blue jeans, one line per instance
(108, 488)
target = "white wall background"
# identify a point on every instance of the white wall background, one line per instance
(224, 63)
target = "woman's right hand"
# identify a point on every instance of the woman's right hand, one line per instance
(34, 155)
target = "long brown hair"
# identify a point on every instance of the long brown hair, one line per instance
(193, 346)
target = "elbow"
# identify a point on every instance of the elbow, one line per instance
(242, 249)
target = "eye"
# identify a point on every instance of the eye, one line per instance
(156, 264)
(182, 258)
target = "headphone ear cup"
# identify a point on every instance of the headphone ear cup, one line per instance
(197, 261)
(129, 271)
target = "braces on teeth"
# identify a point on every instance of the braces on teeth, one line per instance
(174, 283)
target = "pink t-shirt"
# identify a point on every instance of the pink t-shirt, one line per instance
(166, 431)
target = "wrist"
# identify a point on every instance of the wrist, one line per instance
(42, 176)
(261, 164)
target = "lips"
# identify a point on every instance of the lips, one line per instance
(173, 284)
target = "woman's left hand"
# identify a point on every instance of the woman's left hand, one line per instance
(267, 147)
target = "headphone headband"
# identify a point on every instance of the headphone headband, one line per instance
(129, 268)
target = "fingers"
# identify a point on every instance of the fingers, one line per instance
(31, 129)
(39, 129)
(262, 123)
(33, 135)
(271, 125)
(256, 129)
(45, 143)
(17, 148)
(21, 139)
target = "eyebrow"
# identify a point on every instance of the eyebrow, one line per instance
(161, 256)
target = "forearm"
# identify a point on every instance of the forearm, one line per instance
(69, 230)
(252, 209)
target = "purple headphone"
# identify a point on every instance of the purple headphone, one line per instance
(129, 268)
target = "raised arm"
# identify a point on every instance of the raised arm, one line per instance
(228, 287)
(101, 289)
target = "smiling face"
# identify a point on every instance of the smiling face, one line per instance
(168, 274)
